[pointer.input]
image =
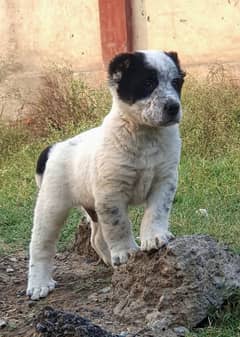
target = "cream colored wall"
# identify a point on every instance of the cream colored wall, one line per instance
(42, 30)
(201, 31)
(35, 33)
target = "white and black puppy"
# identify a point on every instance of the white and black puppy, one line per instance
(131, 159)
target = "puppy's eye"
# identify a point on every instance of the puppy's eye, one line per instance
(177, 84)
(150, 84)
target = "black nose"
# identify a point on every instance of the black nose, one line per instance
(171, 108)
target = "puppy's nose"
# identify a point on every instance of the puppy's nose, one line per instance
(171, 108)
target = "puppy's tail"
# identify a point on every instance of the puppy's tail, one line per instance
(41, 164)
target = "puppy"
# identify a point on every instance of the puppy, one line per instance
(131, 159)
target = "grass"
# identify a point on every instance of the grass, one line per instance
(209, 174)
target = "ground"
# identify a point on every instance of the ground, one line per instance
(162, 287)
(83, 288)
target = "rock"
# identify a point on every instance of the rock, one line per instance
(31, 303)
(9, 270)
(3, 323)
(202, 212)
(57, 323)
(13, 259)
(177, 285)
(105, 290)
(21, 293)
(181, 331)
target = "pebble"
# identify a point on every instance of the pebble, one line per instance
(9, 270)
(181, 331)
(104, 290)
(13, 259)
(3, 323)
(21, 293)
(202, 211)
(32, 303)
(159, 325)
(124, 334)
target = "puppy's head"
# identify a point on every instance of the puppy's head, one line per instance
(146, 86)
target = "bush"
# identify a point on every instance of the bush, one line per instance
(211, 122)
(65, 100)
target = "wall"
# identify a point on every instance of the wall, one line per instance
(35, 33)
(201, 31)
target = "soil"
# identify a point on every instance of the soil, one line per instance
(79, 282)
(142, 292)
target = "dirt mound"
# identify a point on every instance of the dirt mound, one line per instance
(177, 285)
(82, 244)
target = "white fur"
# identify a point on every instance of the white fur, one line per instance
(123, 162)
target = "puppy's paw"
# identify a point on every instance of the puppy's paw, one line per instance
(40, 288)
(121, 256)
(156, 241)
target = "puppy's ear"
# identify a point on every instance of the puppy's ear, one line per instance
(174, 57)
(119, 65)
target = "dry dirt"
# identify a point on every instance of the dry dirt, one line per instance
(147, 289)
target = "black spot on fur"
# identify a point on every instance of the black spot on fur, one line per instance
(135, 78)
(42, 159)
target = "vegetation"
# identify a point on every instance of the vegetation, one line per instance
(209, 171)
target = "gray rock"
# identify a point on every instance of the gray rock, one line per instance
(177, 285)
(9, 270)
(181, 331)
(3, 323)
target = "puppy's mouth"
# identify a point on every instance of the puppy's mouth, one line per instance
(169, 123)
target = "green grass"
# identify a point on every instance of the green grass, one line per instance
(209, 174)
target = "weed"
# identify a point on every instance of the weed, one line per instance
(211, 122)
(65, 100)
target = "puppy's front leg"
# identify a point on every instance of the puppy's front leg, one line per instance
(154, 228)
(116, 228)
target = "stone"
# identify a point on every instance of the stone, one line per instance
(51, 322)
(9, 270)
(177, 285)
(181, 331)
(3, 323)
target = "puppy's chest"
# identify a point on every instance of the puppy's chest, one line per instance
(142, 185)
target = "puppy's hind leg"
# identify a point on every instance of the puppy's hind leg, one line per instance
(49, 216)
(97, 240)
(99, 244)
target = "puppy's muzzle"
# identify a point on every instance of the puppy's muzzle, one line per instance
(171, 113)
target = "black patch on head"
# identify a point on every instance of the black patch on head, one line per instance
(42, 159)
(177, 82)
(135, 78)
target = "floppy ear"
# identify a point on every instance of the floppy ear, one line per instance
(174, 57)
(119, 65)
